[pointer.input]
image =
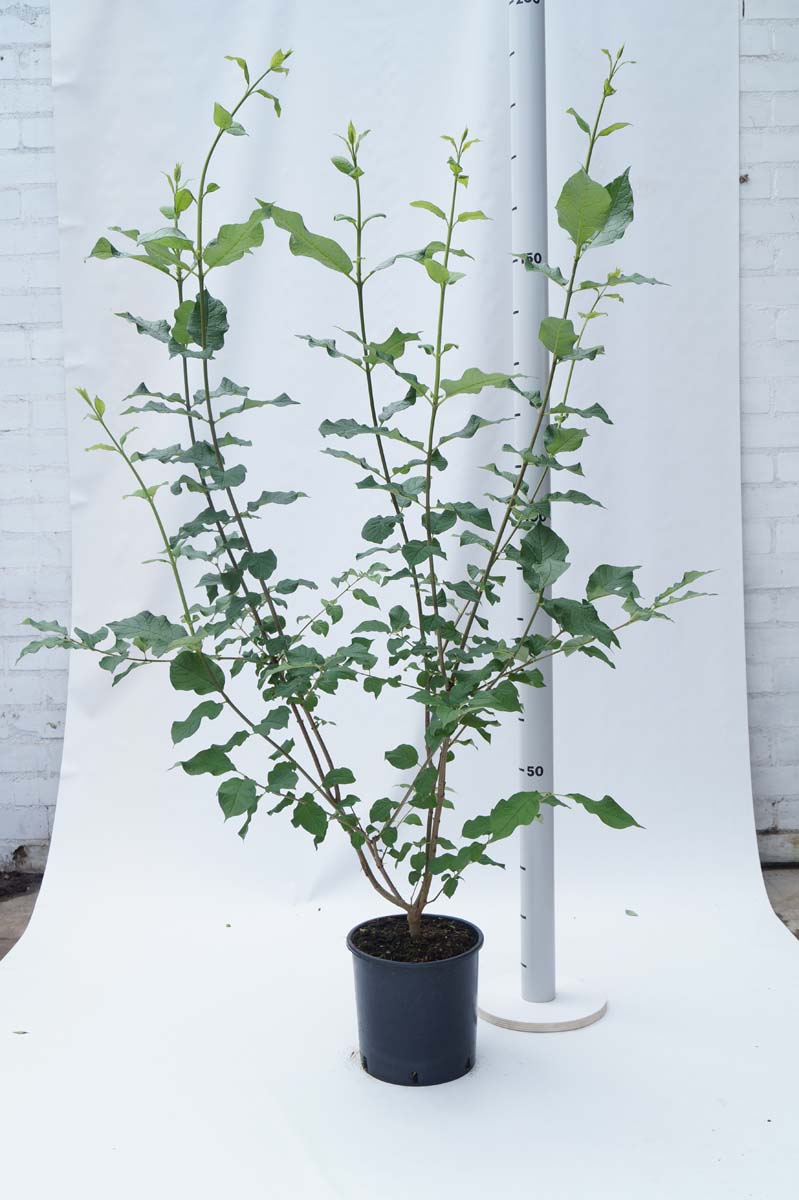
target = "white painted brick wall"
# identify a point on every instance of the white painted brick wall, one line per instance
(770, 411)
(34, 549)
(34, 515)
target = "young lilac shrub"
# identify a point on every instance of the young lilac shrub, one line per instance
(430, 629)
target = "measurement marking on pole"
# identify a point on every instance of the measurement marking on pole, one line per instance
(538, 771)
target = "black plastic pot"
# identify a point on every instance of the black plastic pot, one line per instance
(417, 1022)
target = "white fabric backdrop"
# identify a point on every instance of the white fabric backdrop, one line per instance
(188, 999)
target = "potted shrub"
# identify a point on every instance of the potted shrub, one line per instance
(420, 620)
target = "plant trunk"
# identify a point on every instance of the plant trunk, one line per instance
(415, 922)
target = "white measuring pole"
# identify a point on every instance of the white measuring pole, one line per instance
(528, 127)
(536, 1007)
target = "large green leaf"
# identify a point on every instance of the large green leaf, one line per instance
(608, 811)
(611, 581)
(232, 242)
(619, 216)
(212, 761)
(403, 756)
(542, 557)
(558, 335)
(583, 207)
(236, 797)
(310, 816)
(474, 380)
(193, 672)
(148, 632)
(306, 244)
(580, 618)
(183, 729)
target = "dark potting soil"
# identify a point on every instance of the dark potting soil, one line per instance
(389, 937)
(17, 883)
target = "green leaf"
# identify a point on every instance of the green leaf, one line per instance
(403, 757)
(282, 777)
(310, 816)
(475, 215)
(222, 118)
(608, 811)
(104, 249)
(338, 776)
(611, 581)
(563, 439)
(472, 426)
(236, 797)
(583, 207)
(474, 380)
(393, 348)
(377, 529)
(467, 511)
(688, 577)
(553, 273)
(580, 120)
(155, 329)
(213, 761)
(242, 63)
(620, 213)
(433, 208)
(346, 167)
(261, 564)
(581, 619)
(269, 96)
(612, 128)
(278, 718)
(558, 335)
(148, 631)
(193, 672)
(439, 273)
(183, 729)
(309, 245)
(542, 557)
(507, 815)
(232, 242)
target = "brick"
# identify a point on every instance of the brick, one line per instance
(758, 324)
(46, 550)
(762, 500)
(9, 135)
(39, 203)
(786, 182)
(755, 39)
(21, 237)
(34, 62)
(756, 537)
(772, 359)
(760, 183)
(22, 22)
(49, 414)
(13, 344)
(786, 106)
(776, 782)
(27, 166)
(9, 205)
(788, 537)
(773, 570)
(755, 393)
(775, 431)
(21, 823)
(37, 132)
(760, 76)
(30, 308)
(759, 678)
(32, 518)
(769, 216)
(25, 96)
(788, 466)
(759, 607)
(760, 747)
(756, 110)
(785, 39)
(756, 254)
(772, 643)
(757, 468)
(785, 393)
(787, 324)
(771, 290)
(786, 810)
(763, 9)
(14, 414)
(787, 253)
(30, 379)
(786, 748)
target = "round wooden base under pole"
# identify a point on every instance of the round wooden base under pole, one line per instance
(575, 1006)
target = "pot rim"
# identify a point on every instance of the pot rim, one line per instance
(436, 962)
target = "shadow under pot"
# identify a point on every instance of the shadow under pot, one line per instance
(416, 1000)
